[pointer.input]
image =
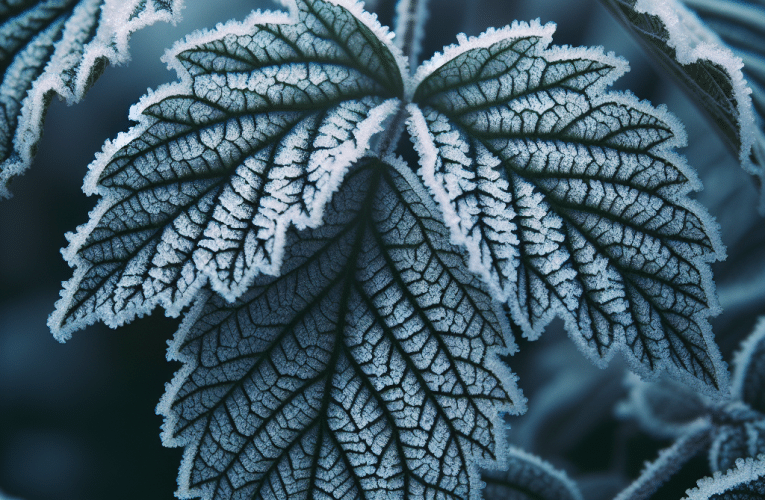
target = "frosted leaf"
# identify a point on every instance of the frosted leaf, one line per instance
(368, 369)
(720, 63)
(571, 201)
(737, 427)
(749, 370)
(745, 482)
(59, 47)
(741, 433)
(528, 478)
(267, 117)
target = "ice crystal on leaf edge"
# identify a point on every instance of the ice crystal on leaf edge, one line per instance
(744, 482)
(711, 69)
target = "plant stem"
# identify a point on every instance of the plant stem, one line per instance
(410, 26)
(670, 461)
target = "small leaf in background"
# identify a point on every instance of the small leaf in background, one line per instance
(736, 427)
(368, 369)
(735, 441)
(745, 482)
(664, 409)
(742, 430)
(528, 478)
(267, 117)
(749, 370)
(571, 201)
(59, 47)
(718, 63)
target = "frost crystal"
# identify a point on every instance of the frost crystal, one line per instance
(745, 482)
(720, 63)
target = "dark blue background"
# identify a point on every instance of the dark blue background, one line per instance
(77, 420)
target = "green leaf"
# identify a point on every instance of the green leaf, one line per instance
(571, 201)
(368, 369)
(59, 47)
(267, 117)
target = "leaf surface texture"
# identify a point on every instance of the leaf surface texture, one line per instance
(716, 49)
(366, 370)
(570, 200)
(58, 47)
(267, 117)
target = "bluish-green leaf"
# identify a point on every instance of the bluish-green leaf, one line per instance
(267, 117)
(718, 62)
(368, 369)
(570, 200)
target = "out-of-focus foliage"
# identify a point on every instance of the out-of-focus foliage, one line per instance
(736, 428)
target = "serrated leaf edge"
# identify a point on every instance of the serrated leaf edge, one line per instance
(746, 471)
(693, 41)
(522, 29)
(428, 154)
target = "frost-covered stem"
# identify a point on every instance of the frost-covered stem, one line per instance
(669, 462)
(410, 26)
